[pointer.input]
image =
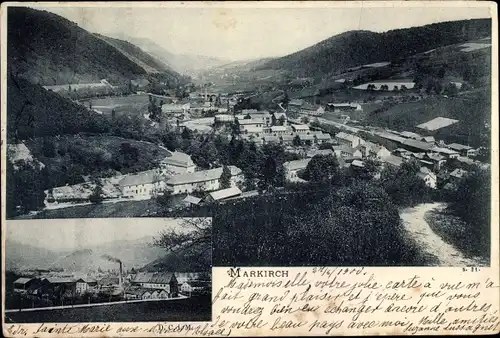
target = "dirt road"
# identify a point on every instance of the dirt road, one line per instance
(446, 254)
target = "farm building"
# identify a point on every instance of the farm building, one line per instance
(205, 180)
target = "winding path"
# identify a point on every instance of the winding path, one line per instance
(429, 241)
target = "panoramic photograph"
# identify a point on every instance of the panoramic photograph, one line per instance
(329, 136)
(101, 271)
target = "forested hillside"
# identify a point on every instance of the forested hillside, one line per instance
(33, 112)
(48, 49)
(137, 55)
(356, 48)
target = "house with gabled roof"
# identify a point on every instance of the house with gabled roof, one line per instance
(428, 177)
(293, 167)
(156, 281)
(204, 180)
(142, 185)
(177, 163)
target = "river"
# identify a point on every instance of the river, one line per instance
(432, 244)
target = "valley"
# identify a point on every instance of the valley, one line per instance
(364, 123)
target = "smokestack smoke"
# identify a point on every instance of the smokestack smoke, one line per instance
(116, 260)
(112, 259)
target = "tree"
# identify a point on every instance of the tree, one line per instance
(48, 147)
(285, 100)
(225, 178)
(187, 134)
(269, 172)
(404, 88)
(325, 145)
(370, 169)
(451, 89)
(164, 198)
(129, 154)
(441, 72)
(296, 141)
(321, 168)
(196, 241)
(403, 185)
(97, 194)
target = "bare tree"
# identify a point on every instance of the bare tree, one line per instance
(197, 236)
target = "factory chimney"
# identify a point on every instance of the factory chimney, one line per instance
(120, 278)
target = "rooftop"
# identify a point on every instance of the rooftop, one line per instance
(201, 176)
(192, 199)
(306, 137)
(254, 129)
(322, 152)
(393, 160)
(296, 102)
(143, 177)
(458, 173)
(225, 193)
(297, 164)
(416, 144)
(323, 136)
(300, 127)
(271, 138)
(178, 158)
(358, 163)
(346, 136)
(22, 280)
(249, 121)
(409, 134)
(437, 123)
(154, 277)
(458, 147)
(442, 150)
(345, 149)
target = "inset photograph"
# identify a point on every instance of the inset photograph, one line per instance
(108, 271)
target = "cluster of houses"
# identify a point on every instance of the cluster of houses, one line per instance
(262, 127)
(442, 165)
(143, 285)
(176, 175)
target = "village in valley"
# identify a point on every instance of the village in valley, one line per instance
(298, 126)
(350, 150)
(102, 278)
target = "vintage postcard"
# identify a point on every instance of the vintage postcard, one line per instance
(249, 168)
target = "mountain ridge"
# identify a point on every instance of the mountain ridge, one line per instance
(48, 49)
(359, 47)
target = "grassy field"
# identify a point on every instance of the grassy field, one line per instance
(191, 309)
(119, 209)
(454, 231)
(123, 105)
(471, 109)
(144, 208)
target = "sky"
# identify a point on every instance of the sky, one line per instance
(223, 31)
(74, 234)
